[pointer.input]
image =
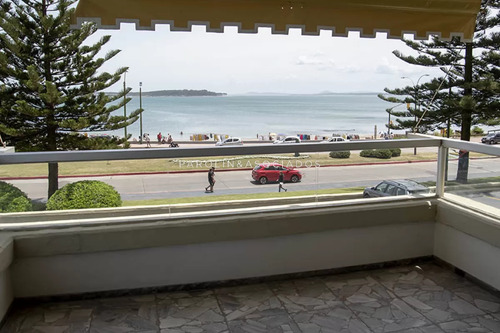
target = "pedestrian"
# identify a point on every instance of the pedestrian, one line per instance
(148, 140)
(211, 180)
(2, 142)
(159, 137)
(281, 180)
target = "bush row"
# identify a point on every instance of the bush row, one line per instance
(340, 154)
(375, 153)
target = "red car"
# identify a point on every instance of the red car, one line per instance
(265, 173)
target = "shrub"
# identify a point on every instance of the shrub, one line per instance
(13, 199)
(395, 152)
(340, 154)
(84, 194)
(476, 130)
(376, 153)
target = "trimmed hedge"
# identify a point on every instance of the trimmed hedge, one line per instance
(84, 194)
(395, 152)
(376, 153)
(13, 199)
(340, 154)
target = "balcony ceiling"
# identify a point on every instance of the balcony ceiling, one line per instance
(446, 18)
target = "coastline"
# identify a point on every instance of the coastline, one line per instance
(207, 143)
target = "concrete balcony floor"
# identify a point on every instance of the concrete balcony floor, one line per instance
(417, 298)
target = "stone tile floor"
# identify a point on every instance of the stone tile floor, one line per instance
(415, 299)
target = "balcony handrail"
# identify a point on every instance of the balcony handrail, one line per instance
(153, 153)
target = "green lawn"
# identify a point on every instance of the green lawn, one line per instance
(217, 198)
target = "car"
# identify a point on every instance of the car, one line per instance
(269, 172)
(491, 138)
(288, 139)
(230, 142)
(395, 188)
(336, 139)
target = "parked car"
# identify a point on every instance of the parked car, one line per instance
(288, 139)
(265, 173)
(230, 142)
(336, 139)
(395, 187)
(491, 138)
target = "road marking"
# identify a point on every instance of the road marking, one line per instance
(488, 196)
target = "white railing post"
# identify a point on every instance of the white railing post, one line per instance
(441, 170)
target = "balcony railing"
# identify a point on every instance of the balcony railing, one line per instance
(437, 174)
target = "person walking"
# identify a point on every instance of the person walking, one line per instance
(211, 180)
(148, 140)
(281, 180)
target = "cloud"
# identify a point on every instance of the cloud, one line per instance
(387, 67)
(322, 62)
(349, 69)
(386, 70)
(318, 60)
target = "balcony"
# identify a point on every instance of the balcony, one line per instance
(152, 251)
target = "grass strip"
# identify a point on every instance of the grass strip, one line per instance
(216, 198)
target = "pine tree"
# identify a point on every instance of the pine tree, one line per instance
(51, 89)
(467, 94)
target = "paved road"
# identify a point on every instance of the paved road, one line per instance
(238, 182)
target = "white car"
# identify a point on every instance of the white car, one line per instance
(230, 142)
(288, 139)
(336, 139)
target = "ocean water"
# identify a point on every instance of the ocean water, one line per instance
(246, 116)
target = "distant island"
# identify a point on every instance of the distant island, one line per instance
(177, 93)
(323, 93)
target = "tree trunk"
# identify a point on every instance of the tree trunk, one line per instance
(53, 178)
(463, 159)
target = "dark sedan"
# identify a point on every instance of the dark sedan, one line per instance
(395, 187)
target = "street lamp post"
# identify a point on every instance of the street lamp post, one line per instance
(417, 102)
(140, 107)
(389, 121)
(125, 100)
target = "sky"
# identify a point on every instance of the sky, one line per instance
(236, 63)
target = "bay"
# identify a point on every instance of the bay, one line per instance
(247, 116)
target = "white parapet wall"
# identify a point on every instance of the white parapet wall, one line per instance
(205, 247)
(216, 261)
(469, 240)
(6, 290)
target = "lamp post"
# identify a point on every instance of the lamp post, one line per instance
(125, 99)
(140, 107)
(417, 103)
(389, 110)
